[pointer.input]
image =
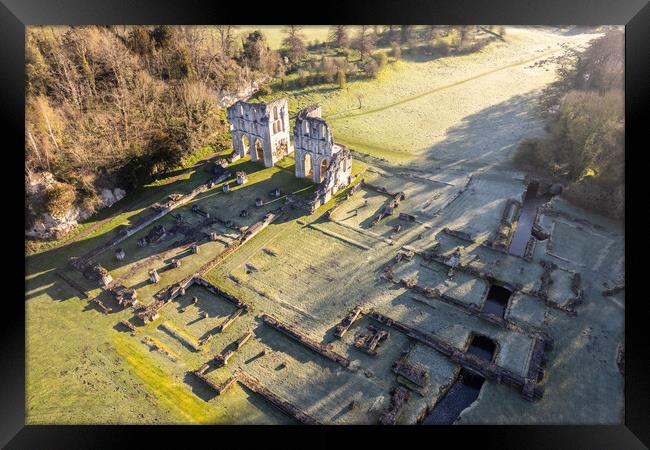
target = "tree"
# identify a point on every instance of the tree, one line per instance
(431, 33)
(179, 64)
(294, 43)
(406, 34)
(585, 117)
(257, 55)
(226, 38)
(365, 41)
(328, 69)
(360, 98)
(140, 41)
(340, 78)
(109, 107)
(463, 33)
(338, 34)
(37, 71)
(162, 35)
(392, 32)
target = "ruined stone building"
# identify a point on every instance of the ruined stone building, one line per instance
(317, 155)
(261, 129)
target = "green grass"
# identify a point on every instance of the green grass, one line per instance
(181, 335)
(138, 199)
(183, 405)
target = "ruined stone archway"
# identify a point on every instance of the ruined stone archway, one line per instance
(259, 151)
(324, 164)
(266, 122)
(307, 164)
(245, 145)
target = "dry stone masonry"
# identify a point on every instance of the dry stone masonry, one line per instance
(261, 130)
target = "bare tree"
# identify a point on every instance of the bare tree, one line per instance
(431, 33)
(339, 35)
(360, 98)
(463, 33)
(226, 38)
(365, 41)
(294, 42)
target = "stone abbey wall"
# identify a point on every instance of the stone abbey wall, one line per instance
(317, 156)
(261, 130)
(313, 143)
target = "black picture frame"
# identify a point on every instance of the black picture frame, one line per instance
(16, 14)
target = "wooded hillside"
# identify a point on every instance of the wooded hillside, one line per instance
(110, 107)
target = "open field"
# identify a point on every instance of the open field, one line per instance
(432, 104)
(445, 127)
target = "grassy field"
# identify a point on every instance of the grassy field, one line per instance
(428, 100)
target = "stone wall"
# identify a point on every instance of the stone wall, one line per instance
(261, 130)
(317, 156)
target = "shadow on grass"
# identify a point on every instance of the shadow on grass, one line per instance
(181, 340)
(484, 139)
(198, 387)
(279, 342)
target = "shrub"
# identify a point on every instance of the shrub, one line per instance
(91, 201)
(381, 59)
(59, 198)
(592, 193)
(263, 89)
(302, 79)
(328, 69)
(532, 154)
(396, 51)
(370, 68)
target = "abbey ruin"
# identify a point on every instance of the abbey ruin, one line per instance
(276, 282)
(317, 156)
(262, 130)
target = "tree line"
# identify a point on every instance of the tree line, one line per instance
(352, 52)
